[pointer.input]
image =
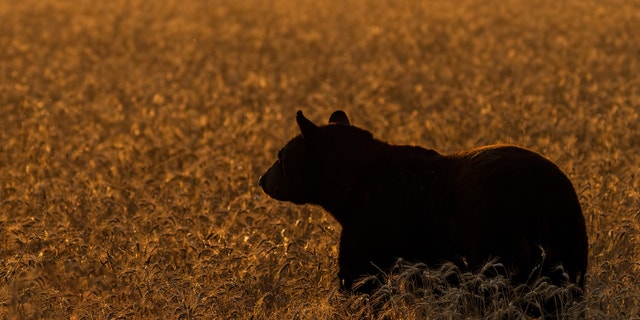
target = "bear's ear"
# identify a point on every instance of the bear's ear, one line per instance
(307, 128)
(339, 117)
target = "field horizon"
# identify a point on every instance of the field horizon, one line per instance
(134, 133)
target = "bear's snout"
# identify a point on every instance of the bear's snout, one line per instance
(267, 186)
(270, 182)
(261, 181)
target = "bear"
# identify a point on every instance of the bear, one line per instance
(406, 202)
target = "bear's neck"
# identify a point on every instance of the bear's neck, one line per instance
(394, 177)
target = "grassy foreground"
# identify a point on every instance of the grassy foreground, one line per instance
(132, 134)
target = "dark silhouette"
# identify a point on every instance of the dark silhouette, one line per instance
(408, 202)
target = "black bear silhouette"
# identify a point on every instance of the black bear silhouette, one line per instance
(408, 202)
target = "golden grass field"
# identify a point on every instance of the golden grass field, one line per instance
(133, 134)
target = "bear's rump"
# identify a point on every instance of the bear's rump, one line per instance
(515, 205)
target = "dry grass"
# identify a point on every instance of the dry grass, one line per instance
(133, 134)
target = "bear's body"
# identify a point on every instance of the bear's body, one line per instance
(407, 202)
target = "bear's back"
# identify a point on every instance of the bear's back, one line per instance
(513, 203)
(494, 201)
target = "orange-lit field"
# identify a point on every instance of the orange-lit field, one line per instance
(132, 135)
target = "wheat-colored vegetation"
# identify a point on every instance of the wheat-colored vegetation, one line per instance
(133, 133)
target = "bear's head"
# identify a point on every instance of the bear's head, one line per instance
(321, 164)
